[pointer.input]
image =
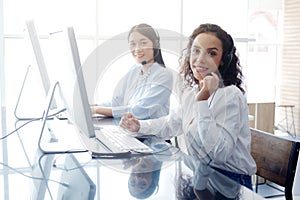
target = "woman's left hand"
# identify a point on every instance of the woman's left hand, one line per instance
(130, 123)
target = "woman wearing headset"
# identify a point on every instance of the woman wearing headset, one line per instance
(145, 90)
(213, 113)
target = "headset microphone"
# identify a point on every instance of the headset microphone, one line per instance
(144, 62)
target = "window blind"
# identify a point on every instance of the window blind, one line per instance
(290, 73)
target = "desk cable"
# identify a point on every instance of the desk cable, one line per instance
(69, 169)
(31, 120)
(32, 177)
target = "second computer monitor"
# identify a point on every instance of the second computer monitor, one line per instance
(66, 61)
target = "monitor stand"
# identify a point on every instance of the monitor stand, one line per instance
(55, 147)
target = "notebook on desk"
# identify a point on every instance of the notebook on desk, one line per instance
(71, 85)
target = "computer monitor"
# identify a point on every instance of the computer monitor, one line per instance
(40, 62)
(71, 85)
(64, 58)
(39, 56)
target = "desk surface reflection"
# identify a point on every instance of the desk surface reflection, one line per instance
(168, 174)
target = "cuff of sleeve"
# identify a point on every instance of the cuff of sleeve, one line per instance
(143, 127)
(119, 111)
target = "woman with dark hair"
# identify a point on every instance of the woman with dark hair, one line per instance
(145, 90)
(229, 69)
(213, 111)
(144, 178)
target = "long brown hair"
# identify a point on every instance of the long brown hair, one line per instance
(230, 71)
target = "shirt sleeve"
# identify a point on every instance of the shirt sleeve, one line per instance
(218, 126)
(155, 100)
(165, 127)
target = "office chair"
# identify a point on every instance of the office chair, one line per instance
(276, 159)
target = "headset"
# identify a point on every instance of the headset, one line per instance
(229, 55)
(156, 43)
(156, 47)
(227, 59)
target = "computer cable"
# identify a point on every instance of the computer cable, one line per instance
(69, 169)
(31, 177)
(32, 120)
(5, 136)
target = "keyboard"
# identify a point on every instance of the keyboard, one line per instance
(118, 141)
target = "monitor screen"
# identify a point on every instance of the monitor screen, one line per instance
(34, 39)
(65, 61)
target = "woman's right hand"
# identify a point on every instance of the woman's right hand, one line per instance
(208, 86)
(129, 122)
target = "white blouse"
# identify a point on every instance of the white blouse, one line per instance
(215, 131)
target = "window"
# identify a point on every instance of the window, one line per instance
(263, 53)
(255, 25)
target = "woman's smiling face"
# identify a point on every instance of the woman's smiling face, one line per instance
(141, 47)
(206, 55)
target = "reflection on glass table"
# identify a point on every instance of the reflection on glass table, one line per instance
(196, 180)
(168, 174)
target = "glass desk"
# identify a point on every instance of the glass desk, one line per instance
(26, 173)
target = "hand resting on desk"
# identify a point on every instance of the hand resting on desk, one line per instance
(101, 110)
(130, 123)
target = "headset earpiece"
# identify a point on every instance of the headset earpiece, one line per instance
(156, 44)
(227, 58)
